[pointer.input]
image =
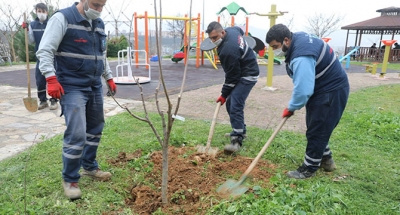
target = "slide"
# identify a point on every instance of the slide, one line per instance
(276, 60)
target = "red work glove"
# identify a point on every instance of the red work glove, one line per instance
(112, 86)
(24, 25)
(221, 99)
(287, 113)
(54, 88)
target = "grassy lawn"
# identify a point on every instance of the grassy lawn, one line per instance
(391, 66)
(365, 147)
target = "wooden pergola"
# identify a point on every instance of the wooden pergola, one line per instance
(386, 24)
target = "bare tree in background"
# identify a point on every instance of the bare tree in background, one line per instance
(323, 25)
(10, 22)
(288, 21)
(177, 27)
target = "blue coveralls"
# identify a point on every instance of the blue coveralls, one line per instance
(80, 65)
(241, 73)
(331, 90)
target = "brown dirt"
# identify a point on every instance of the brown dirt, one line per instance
(192, 180)
(196, 176)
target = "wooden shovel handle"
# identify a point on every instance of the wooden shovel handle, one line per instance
(214, 120)
(253, 164)
(28, 73)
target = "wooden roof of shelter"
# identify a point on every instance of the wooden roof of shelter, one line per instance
(387, 23)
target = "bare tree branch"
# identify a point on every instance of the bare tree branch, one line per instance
(323, 25)
(289, 21)
(177, 27)
(10, 24)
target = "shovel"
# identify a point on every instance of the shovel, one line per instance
(232, 188)
(31, 104)
(208, 149)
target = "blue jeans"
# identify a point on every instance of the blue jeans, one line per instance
(40, 84)
(323, 113)
(84, 117)
(235, 105)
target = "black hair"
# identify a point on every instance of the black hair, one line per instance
(214, 26)
(278, 32)
(41, 6)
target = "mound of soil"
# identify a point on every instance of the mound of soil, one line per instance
(192, 180)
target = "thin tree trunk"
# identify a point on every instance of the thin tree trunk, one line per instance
(12, 49)
(164, 185)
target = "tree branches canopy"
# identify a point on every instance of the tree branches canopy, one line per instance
(322, 25)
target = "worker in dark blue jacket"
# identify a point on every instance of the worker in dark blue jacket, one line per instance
(320, 84)
(75, 36)
(35, 33)
(241, 73)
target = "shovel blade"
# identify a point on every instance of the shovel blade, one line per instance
(31, 104)
(231, 188)
(213, 151)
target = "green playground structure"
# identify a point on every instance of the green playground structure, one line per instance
(276, 60)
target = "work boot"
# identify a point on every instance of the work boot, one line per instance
(301, 173)
(43, 105)
(229, 134)
(97, 174)
(71, 190)
(234, 146)
(328, 164)
(53, 104)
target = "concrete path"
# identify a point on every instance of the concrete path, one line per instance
(20, 129)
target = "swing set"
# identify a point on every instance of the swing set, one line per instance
(194, 22)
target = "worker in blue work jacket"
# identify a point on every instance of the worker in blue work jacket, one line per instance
(75, 36)
(320, 84)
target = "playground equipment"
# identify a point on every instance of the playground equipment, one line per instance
(326, 39)
(276, 60)
(187, 20)
(178, 56)
(388, 45)
(208, 47)
(233, 9)
(371, 68)
(125, 60)
(347, 56)
(272, 15)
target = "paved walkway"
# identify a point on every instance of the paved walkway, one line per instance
(20, 129)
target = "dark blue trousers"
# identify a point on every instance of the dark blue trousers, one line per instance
(235, 105)
(40, 84)
(323, 113)
(84, 117)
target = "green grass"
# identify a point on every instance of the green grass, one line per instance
(391, 66)
(365, 147)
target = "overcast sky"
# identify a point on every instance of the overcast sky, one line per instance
(353, 11)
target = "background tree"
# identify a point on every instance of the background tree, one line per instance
(11, 18)
(323, 25)
(116, 44)
(19, 43)
(288, 21)
(176, 29)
